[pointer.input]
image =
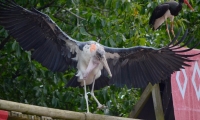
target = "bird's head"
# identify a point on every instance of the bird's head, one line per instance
(100, 53)
(97, 50)
(97, 56)
(187, 3)
(100, 56)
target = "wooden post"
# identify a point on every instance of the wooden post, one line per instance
(155, 90)
(157, 102)
(140, 104)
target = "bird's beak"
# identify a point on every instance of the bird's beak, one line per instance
(188, 4)
(105, 64)
(93, 64)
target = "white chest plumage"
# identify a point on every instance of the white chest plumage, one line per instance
(84, 58)
(162, 19)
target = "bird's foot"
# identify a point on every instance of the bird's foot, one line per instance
(102, 106)
(88, 112)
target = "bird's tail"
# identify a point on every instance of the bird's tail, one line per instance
(73, 82)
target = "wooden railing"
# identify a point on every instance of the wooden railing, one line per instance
(25, 112)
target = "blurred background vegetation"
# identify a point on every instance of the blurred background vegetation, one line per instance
(115, 23)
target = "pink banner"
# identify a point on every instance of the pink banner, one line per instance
(186, 91)
(3, 115)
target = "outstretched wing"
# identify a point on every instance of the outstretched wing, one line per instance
(37, 32)
(137, 66)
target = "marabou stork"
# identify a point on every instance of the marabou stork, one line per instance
(54, 49)
(164, 11)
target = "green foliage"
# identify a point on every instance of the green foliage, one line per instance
(116, 23)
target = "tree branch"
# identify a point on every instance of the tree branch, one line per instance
(65, 21)
(45, 6)
(66, 10)
(98, 36)
(75, 14)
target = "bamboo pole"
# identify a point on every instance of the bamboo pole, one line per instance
(54, 113)
(40, 111)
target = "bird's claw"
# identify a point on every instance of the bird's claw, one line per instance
(88, 112)
(102, 107)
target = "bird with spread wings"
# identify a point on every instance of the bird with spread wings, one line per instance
(54, 49)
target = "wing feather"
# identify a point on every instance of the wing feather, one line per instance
(153, 72)
(138, 74)
(155, 67)
(35, 31)
(147, 64)
(159, 65)
(133, 67)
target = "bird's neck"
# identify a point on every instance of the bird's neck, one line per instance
(179, 6)
(180, 2)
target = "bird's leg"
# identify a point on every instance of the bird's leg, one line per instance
(168, 31)
(86, 97)
(100, 106)
(172, 28)
(91, 66)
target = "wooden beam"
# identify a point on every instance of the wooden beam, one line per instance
(20, 116)
(54, 113)
(140, 104)
(40, 111)
(90, 116)
(157, 102)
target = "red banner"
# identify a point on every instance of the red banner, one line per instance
(186, 90)
(3, 115)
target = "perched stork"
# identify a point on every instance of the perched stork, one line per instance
(164, 11)
(54, 49)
